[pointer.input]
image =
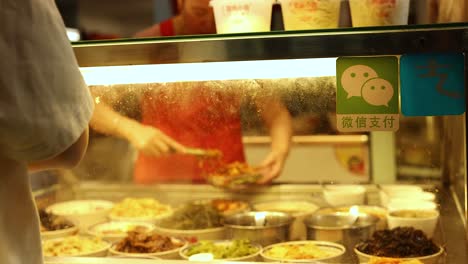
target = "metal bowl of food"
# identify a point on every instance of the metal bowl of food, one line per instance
(377, 211)
(342, 228)
(260, 227)
(298, 209)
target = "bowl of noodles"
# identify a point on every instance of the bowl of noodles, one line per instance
(304, 251)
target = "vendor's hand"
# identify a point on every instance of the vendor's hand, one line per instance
(272, 166)
(152, 141)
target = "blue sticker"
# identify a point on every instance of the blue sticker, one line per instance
(432, 84)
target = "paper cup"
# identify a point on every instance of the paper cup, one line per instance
(237, 16)
(310, 14)
(365, 13)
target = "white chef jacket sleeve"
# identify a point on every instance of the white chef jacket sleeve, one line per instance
(45, 104)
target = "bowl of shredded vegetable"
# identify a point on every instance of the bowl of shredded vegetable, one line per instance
(227, 250)
(193, 221)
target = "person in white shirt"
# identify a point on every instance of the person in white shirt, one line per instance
(45, 108)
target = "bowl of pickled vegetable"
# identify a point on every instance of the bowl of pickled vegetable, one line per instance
(401, 243)
(234, 250)
(193, 222)
(304, 251)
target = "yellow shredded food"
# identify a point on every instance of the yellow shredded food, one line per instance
(140, 208)
(297, 251)
(71, 246)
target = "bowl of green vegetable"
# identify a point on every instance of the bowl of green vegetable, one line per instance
(193, 222)
(227, 250)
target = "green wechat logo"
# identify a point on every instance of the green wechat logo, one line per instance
(363, 81)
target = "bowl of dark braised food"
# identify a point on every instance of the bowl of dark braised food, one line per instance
(401, 243)
(54, 226)
(139, 245)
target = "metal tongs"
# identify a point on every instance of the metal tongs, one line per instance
(204, 153)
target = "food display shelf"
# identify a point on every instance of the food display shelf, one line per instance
(447, 233)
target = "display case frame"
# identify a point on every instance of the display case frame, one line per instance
(392, 40)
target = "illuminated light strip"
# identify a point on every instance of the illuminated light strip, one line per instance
(206, 71)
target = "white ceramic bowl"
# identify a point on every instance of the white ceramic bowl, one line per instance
(341, 195)
(193, 235)
(391, 188)
(82, 213)
(169, 254)
(115, 231)
(59, 247)
(399, 204)
(299, 210)
(336, 252)
(431, 259)
(70, 231)
(425, 220)
(251, 257)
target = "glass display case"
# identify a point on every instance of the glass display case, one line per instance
(248, 78)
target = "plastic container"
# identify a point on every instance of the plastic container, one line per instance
(310, 14)
(366, 13)
(237, 16)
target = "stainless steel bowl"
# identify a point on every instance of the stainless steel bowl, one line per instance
(264, 228)
(340, 228)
